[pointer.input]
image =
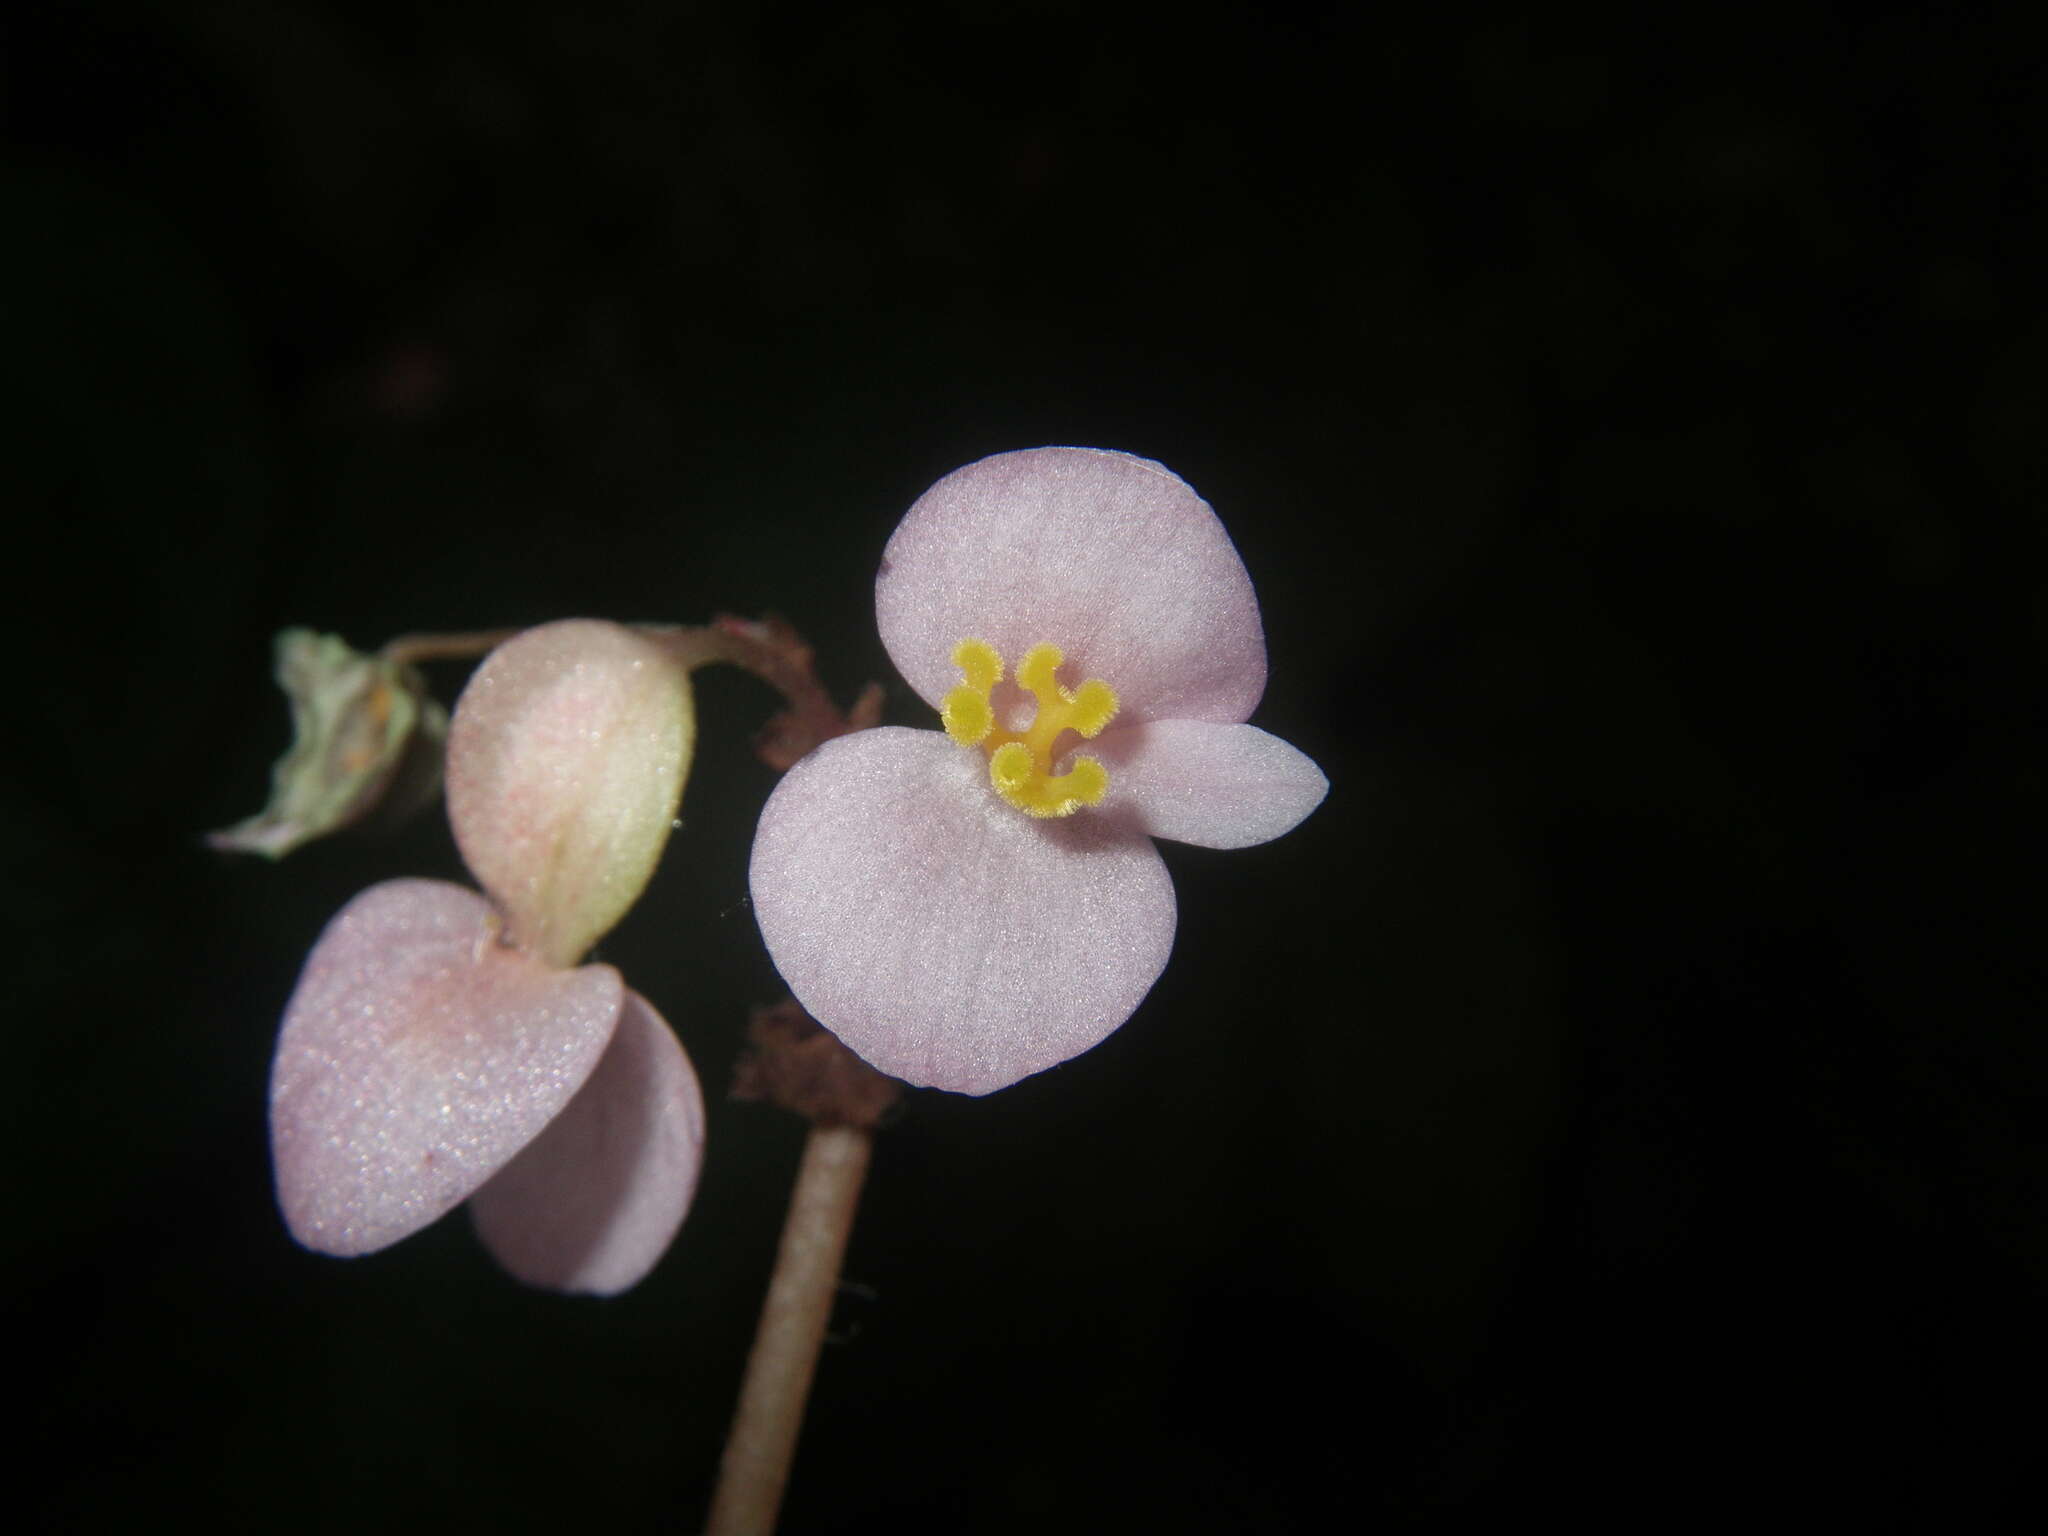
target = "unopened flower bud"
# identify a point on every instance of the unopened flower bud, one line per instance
(566, 762)
(365, 737)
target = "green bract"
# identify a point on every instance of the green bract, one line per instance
(365, 735)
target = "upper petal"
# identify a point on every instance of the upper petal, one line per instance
(1218, 786)
(418, 1055)
(948, 939)
(597, 1197)
(1112, 558)
(565, 763)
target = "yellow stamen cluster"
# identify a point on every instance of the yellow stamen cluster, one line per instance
(1020, 762)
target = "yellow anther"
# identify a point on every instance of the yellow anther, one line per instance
(979, 664)
(1087, 781)
(967, 715)
(1020, 762)
(1011, 769)
(1036, 670)
(1094, 707)
(1044, 795)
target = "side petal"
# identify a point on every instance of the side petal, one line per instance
(1217, 786)
(566, 760)
(418, 1055)
(947, 939)
(597, 1197)
(1112, 558)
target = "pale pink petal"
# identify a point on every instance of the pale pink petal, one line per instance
(1219, 786)
(596, 1198)
(946, 938)
(418, 1055)
(565, 762)
(1114, 559)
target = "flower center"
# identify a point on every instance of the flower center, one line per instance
(1020, 762)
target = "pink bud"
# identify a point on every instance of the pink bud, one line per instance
(566, 762)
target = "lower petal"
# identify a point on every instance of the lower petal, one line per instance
(598, 1196)
(947, 938)
(1217, 786)
(418, 1055)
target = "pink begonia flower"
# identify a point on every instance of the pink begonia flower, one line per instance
(441, 1047)
(966, 907)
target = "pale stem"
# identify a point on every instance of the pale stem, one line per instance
(755, 1470)
(769, 649)
(410, 650)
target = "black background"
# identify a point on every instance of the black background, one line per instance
(1620, 1100)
